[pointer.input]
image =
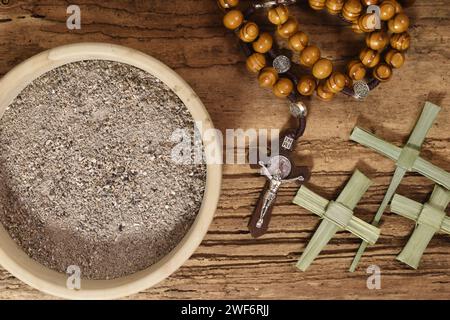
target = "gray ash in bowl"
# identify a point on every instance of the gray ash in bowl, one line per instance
(86, 175)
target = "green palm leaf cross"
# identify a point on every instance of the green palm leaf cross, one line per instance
(407, 159)
(430, 218)
(337, 215)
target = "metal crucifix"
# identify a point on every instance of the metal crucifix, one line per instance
(279, 169)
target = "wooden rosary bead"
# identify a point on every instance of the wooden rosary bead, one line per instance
(356, 70)
(323, 94)
(387, 10)
(227, 4)
(382, 72)
(298, 41)
(367, 22)
(306, 85)
(400, 41)
(317, 4)
(351, 10)
(370, 58)
(264, 43)
(398, 6)
(256, 62)
(336, 82)
(249, 32)
(334, 6)
(399, 24)
(395, 58)
(377, 40)
(268, 77)
(309, 56)
(369, 2)
(278, 15)
(288, 28)
(233, 19)
(322, 69)
(283, 87)
(348, 80)
(356, 28)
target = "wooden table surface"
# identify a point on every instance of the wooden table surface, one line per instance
(188, 36)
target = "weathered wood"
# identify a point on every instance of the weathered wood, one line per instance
(188, 36)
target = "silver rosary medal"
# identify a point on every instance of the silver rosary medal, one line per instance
(361, 89)
(281, 64)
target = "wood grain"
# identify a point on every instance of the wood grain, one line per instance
(188, 36)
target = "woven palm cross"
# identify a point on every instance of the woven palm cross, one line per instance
(407, 159)
(337, 215)
(430, 218)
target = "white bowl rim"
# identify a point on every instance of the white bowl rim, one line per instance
(17, 262)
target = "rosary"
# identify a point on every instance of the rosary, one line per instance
(386, 41)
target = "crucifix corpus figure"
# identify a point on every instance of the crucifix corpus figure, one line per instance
(279, 169)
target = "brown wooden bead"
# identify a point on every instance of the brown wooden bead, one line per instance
(399, 24)
(289, 28)
(278, 15)
(377, 40)
(356, 70)
(249, 32)
(264, 43)
(387, 10)
(227, 4)
(256, 62)
(382, 72)
(309, 56)
(348, 80)
(317, 4)
(283, 87)
(369, 57)
(298, 41)
(395, 58)
(334, 6)
(335, 83)
(267, 77)
(352, 10)
(322, 69)
(398, 6)
(306, 85)
(356, 28)
(367, 22)
(400, 41)
(233, 19)
(323, 94)
(369, 2)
